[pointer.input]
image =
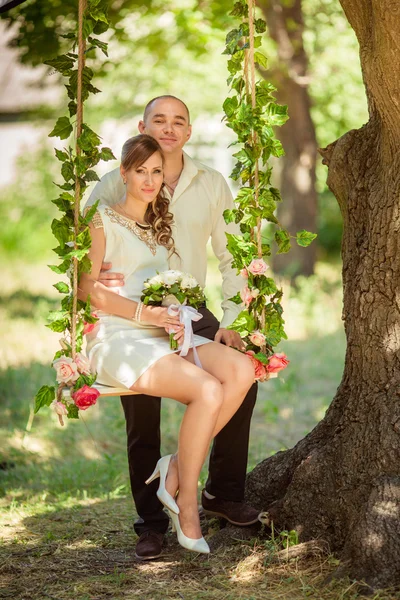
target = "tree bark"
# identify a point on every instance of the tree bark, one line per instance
(298, 137)
(342, 482)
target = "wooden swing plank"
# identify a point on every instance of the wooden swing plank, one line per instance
(105, 391)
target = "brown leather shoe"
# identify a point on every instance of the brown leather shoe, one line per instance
(237, 513)
(149, 545)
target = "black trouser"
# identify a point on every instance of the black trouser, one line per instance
(228, 460)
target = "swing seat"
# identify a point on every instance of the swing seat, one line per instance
(107, 391)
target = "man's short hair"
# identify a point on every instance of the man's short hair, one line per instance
(150, 104)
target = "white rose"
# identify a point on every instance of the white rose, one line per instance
(255, 292)
(188, 281)
(171, 277)
(154, 280)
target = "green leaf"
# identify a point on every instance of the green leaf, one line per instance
(87, 27)
(62, 63)
(61, 231)
(102, 45)
(44, 397)
(261, 59)
(244, 323)
(304, 238)
(261, 357)
(67, 171)
(65, 186)
(239, 9)
(73, 411)
(61, 287)
(229, 215)
(90, 213)
(58, 326)
(61, 155)
(88, 139)
(62, 128)
(106, 154)
(62, 268)
(230, 106)
(260, 25)
(277, 114)
(282, 238)
(72, 107)
(91, 175)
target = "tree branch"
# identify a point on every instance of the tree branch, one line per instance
(359, 15)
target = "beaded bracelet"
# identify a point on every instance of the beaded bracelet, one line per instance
(138, 313)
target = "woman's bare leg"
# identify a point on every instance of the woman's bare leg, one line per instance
(233, 370)
(176, 378)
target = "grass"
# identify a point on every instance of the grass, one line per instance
(66, 511)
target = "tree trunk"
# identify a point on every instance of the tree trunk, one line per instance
(297, 178)
(342, 482)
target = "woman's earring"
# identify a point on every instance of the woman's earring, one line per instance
(124, 180)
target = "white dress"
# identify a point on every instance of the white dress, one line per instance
(120, 350)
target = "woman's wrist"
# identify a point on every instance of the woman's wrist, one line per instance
(138, 312)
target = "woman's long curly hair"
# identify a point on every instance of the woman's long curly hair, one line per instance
(135, 152)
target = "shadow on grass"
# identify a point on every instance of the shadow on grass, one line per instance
(86, 552)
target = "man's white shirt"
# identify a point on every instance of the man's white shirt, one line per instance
(198, 203)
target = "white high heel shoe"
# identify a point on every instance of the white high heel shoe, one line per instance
(196, 545)
(161, 471)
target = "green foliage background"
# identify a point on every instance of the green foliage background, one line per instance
(174, 47)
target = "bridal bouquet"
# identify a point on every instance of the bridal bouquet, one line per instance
(179, 291)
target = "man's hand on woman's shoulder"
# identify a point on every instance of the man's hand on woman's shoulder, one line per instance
(110, 279)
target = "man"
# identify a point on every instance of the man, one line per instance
(198, 196)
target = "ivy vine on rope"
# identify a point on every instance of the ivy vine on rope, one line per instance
(71, 229)
(252, 112)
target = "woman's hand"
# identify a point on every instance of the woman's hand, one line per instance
(158, 316)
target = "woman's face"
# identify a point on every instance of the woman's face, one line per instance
(144, 182)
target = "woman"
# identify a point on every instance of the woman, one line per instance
(130, 344)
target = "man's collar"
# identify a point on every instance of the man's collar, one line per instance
(190, 168)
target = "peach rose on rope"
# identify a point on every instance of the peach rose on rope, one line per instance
(82, 363)
(260, 373)
(246, 296)
(277, 362)
(257, 266)
(66, 369)
(60, 409)
(257, 338)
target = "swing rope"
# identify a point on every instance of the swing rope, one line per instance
(78, 131)
(250, 78)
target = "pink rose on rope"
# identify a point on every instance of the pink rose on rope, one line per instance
(257, 338)
(246, 296)
(82, 363)
(60, 409)
(67, 371)
(257, 266)
(85, 397)
(260, 373)
(277, 362)
(244, 273)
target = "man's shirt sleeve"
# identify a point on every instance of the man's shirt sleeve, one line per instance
(109, 190)
(231, 282)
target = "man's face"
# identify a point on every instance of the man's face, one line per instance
(167, 122)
